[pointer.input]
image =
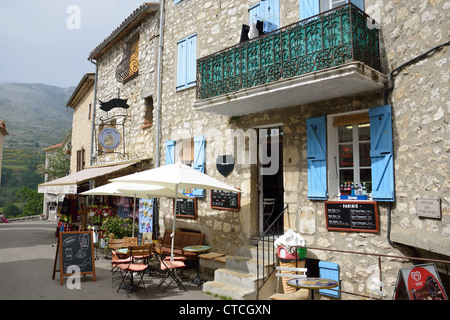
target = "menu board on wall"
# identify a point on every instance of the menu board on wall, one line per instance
(357, 216)
(186, 208)
(225, 200)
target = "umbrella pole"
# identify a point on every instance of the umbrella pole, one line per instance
(173, 224)
(133, 214)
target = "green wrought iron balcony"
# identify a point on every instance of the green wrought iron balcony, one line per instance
(310, 54)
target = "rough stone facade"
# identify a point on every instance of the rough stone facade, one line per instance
(138, 136)
(420, 124)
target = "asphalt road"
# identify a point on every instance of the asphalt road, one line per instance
(27, 255)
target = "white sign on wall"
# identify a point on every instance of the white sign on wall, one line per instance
(428, 208)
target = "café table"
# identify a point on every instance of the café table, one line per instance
(313, 284)
(197, 249)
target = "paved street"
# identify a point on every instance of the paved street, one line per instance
(27, 254)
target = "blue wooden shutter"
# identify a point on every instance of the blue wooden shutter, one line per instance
(170, 152)
(255, 13)
(309, 8)
(316, 131)
(272, 12)
(191, 60)
(382, 153)
(267, 10)
(181, 64)
(359, 4)
(329, 270)
(199, 161)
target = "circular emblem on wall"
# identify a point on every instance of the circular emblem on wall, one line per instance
(109, 138)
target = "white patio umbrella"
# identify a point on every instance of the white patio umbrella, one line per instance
(176, 177)
(135, 190)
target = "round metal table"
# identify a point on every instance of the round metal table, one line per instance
(313, 284)
(197, 249)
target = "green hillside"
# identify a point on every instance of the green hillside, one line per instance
(36, 118)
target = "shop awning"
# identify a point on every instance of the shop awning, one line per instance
(68, 184)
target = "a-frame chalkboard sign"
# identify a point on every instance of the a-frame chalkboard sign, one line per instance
(76, 254)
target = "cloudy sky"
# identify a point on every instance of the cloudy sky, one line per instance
(49, 41)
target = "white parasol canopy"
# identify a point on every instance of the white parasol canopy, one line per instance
(135, 190)
(176, 177)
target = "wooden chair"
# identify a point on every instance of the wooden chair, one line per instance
(290, 273)
(127, 270)
(117, 258)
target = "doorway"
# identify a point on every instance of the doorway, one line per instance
(270, 180)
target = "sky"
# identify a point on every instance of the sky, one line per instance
(49, 41)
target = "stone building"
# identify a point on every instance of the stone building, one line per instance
(320, 105)
(81, 102)
(125, 89)
(325, 91)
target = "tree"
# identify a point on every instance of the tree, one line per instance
(11, 210)
(58, 165)
(33, 201)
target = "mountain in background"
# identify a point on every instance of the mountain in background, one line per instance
(35, 114)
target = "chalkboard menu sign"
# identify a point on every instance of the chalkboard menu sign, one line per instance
(76, 254)
(225, 200)
(186, 208)
(358, 216)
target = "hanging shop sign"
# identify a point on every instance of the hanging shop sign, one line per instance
(114, 103)
(420, 282)
(225, 164)
(109, 138)
(357, 216)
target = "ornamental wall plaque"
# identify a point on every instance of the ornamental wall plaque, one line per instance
(109, 138)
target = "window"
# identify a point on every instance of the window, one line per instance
(268, 12)
(309, 8)
(351, 148)
(80, 160)
(128, 68)
(190, 152)
(148, 116)
(187, 62)
(349, 151)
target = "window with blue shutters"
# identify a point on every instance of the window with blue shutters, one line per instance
(317, 158)
(187, 62)
(267, 11)
(359, 153)
(309, 8)
(190, 152)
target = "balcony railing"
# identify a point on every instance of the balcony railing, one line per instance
(323, 41)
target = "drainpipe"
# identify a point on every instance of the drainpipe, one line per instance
(158, 106)
(93, 110)
(158, 97)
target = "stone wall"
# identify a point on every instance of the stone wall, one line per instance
(138, 138)
(420, 117)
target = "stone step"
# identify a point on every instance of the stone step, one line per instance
(247, 265)
(242, 280)
(224, 290)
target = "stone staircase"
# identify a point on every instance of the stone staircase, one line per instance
(239, 279)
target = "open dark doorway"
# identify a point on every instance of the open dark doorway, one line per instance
(271, 185)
